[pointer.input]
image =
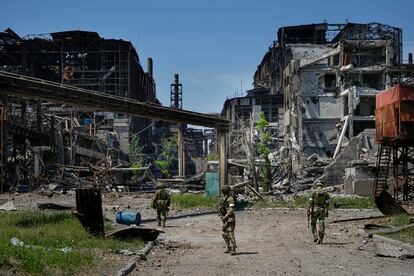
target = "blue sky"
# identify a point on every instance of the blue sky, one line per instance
(214, 45)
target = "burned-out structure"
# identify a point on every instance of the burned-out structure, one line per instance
(84, 59)
(329, 75)
(40, 131)
(239, 110)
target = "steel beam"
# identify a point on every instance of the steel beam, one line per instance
(28, 87)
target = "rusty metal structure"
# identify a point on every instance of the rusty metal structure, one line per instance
(85, 60)
(394, 119)
(13, 87)
(76, 134)
(72, 100)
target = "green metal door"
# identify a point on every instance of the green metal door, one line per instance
(212, 184)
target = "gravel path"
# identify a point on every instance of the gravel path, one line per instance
(270, 242)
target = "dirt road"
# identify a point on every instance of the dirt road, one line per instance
(270, 242)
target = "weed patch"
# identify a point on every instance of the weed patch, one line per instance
(47, 232)
(303, 202)
(398, 220)
(194, 201)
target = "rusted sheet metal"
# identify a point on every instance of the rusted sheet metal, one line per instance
(394, 114)
(395, 94)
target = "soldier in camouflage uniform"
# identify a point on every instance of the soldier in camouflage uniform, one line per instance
(228, 218)
(161, 202)
(318, 210)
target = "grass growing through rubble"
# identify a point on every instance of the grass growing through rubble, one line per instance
(49, 231)
(405, 235)
(194, 201)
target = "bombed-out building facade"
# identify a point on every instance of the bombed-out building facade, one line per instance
(43, 135)
(86, 60)
(241, 109)
(328, 76)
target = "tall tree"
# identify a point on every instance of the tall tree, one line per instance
(263, 150)
(168, 155)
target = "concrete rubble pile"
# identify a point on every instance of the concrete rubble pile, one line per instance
(311, 168)
(353, 167)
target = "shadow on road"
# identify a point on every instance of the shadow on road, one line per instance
(247, 253)
(336, 243)
(172, 226)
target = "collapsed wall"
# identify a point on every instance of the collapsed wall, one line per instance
(361, 148)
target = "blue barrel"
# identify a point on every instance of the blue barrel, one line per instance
(128, 218)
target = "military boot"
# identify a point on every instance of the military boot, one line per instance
(228, 247)
(320, 240)
(233, 251)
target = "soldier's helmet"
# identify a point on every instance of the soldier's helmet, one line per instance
(225, 189)
(319, 183)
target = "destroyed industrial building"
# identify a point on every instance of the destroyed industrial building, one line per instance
(315, 86)
(81, 137)
(49, 142)
(104, 171)
(327, 76)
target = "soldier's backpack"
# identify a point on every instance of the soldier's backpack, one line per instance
(319, 198)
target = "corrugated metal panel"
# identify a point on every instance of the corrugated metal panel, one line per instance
(394, 114)
(395, 94)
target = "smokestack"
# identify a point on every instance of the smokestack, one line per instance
(149, 67)
(176, 93)
(410, 58)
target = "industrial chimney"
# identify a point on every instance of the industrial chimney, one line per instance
(149, 67)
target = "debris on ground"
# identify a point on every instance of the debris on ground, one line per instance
(17, 242)
(382, 249)
(8, 206)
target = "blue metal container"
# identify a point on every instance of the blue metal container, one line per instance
(128, 218)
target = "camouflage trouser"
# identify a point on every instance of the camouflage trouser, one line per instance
(228, 234)
(161, 216)
(318, 215)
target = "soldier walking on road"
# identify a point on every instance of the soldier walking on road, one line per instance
(228, 218)
(161, 203)
(318, 210)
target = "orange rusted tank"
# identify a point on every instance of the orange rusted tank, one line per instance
(394, 114)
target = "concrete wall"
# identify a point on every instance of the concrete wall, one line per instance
(359, 180)
(311, 81)
(320, 137)
(335, 172)
(329, 107)
(121, 127)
